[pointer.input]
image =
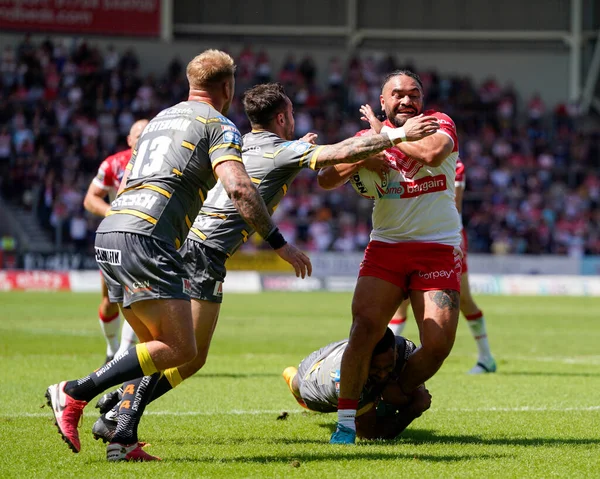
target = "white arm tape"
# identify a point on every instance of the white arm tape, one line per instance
(394, 134)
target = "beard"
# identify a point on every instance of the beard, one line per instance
(397, 121)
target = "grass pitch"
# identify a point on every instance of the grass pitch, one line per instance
(538, 417)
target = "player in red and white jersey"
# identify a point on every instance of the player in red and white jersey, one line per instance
(106, 183)
(468, 307)
(414, 249)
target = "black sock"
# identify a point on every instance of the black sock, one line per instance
(162, 387)
(123, 368)
(136, 395)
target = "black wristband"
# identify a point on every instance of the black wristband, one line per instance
(276, 239)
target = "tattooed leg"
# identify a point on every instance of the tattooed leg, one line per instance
(436, 313)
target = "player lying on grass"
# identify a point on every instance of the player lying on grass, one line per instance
(272, 159)
(383, 410)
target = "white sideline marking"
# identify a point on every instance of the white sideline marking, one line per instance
(256, 412)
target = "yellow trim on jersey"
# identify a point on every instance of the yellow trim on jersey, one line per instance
(201, 119)
(284, 188)
(269, 155)
(201, 194)
(177, 172)
(256, 131)
(134, 152)
(245, 235)
(256, 181)
(158, 189)
(145, 360)
(315, 155)
(187, 221)
(221, 159)
(188, 145)
(139, 214)
(129, 167)
(173, 376)
(177, 243)
(315, 366)
(218, 215)
(198, 233)
(365, 408)
(225, 145)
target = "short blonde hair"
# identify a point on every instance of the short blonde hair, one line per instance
(209, 68)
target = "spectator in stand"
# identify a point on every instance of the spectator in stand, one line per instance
(527, 160)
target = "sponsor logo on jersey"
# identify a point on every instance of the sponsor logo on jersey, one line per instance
(232, 137)
(144, 200)
(441, 274)
(218, 291)
(138, 287)
(299, 147)
(411, 189)
(108, 256)
(187, 286)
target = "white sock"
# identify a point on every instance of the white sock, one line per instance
(110, 328)
(128, 338)
(347, 417)
(397, 325)
(478, 330)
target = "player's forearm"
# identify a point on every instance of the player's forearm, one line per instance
(352, 150)
(429, 151)
(335, 176)
(245, 198)
(95, 205)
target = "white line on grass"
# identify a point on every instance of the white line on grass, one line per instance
(256, 412)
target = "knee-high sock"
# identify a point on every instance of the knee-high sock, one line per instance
(136, 395)
(476, 324)
(128, 338)
(134, 363)
(110, 329)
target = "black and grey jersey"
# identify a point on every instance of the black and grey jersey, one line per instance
(319, 375)
(171, 172)
(272, 163)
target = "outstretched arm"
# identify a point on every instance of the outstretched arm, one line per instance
(94, 200)
(250, 205)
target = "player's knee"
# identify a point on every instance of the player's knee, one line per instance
(186, 352)
(365, 327)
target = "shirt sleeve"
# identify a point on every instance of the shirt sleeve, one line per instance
(460, 180)
(447, 127)
(297, 154)
(225, 141)
(104, 177)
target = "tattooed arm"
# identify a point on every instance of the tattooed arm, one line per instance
(250, 205)
(245, 196)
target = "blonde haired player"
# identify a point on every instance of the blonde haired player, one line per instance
(106, 183)
(468, 307)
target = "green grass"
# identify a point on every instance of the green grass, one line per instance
(538, 417)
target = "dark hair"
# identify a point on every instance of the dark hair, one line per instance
(408, 73)
(387, 342)
(263, 102)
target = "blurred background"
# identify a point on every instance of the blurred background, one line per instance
(521, 81)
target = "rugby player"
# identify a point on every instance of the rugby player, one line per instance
(272, 160)
(414, 249)
(468, 307)
(106, 182)
(382, 413)
(178, 158)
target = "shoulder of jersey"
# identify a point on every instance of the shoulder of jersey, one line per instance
(298, 146)
(442, 117)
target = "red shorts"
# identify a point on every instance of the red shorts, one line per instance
(418, 266)
(464, 245)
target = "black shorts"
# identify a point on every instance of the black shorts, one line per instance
(137, 267)
(206, 269)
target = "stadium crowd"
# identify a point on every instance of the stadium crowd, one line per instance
(533, 177)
